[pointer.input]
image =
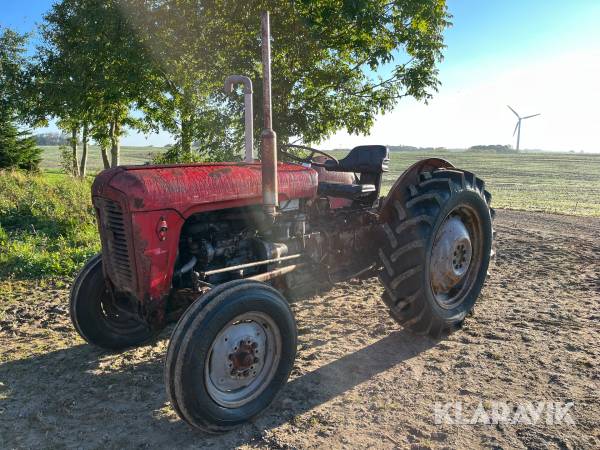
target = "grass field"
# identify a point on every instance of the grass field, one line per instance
(129, 155)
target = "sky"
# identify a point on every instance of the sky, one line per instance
(538, 56)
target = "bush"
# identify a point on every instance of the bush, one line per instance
(18, 149)
(174, 155)
(47, 226)
(66, 159)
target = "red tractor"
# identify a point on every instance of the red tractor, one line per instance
(208, 244)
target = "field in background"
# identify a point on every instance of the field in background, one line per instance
(566, 183)
(562, 183)
(129, 155)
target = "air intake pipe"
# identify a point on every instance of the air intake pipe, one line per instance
(268, 137)
(231, 81)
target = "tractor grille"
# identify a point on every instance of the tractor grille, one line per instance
(116, 247)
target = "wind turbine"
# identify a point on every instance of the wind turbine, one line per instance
(518, 125)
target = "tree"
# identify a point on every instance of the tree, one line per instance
(336, 64)
(91, 72)
(185, 90)
(327, 54)
(326, 57)
(17, 148)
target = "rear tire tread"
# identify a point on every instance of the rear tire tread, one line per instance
(410, 232)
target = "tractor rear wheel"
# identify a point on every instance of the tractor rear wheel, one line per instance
(95, 317)
(230, 354)
(436, 250)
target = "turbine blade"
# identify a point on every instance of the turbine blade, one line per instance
(516, 126)
(513, 111)
(533, 115)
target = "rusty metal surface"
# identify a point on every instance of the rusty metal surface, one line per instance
(252, 264)
(114, 225)
(155, 258)
(268, 136)
(274, 273)
(156, 201)
(188, 189)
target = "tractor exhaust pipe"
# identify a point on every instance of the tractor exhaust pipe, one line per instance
(268, 136)
(230, 82)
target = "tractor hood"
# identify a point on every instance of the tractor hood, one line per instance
(199, 187)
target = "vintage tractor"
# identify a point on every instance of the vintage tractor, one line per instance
(200, 242)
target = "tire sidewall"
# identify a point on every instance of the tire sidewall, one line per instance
(193, 389)
(473, 200)
(86, 312)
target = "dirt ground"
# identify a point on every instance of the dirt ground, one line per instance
(359, 380)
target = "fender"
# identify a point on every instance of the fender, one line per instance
(400, 191)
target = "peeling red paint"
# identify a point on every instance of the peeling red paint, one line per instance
(152, 196)
(201, 187)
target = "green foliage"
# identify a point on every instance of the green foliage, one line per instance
(497, 148)
(175, 155)
(51, 158)
(91, 70)
(326, 56)
(18, 149)
(47, 227)
(12, 71)
(67, 161)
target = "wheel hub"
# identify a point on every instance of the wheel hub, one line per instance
(450, 256)
(235, 359)
(244, 359)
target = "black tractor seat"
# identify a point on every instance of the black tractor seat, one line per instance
(368, 162)
(340, 190)
(371, 159)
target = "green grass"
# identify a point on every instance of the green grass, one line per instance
(47, 226)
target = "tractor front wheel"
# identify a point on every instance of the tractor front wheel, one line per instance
(95, 317)
(436, 250)
(229, 355)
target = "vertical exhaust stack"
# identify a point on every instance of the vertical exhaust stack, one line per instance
(268, 137)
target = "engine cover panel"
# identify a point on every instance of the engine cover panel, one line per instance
(189, 189)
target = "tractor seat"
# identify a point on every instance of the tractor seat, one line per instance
(340, 190)
(372, 159)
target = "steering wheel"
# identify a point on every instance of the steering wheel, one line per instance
(309, 158)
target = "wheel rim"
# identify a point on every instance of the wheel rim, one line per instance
(455, 257)
(243, 359)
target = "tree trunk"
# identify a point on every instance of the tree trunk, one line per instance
(186, 136)
(186, 124)
(115, 147)
(84, 151)
(104, 154)
(74, 149)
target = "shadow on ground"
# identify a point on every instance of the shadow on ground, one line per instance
(112, 400)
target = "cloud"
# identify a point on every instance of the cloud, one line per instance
(564, 89)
